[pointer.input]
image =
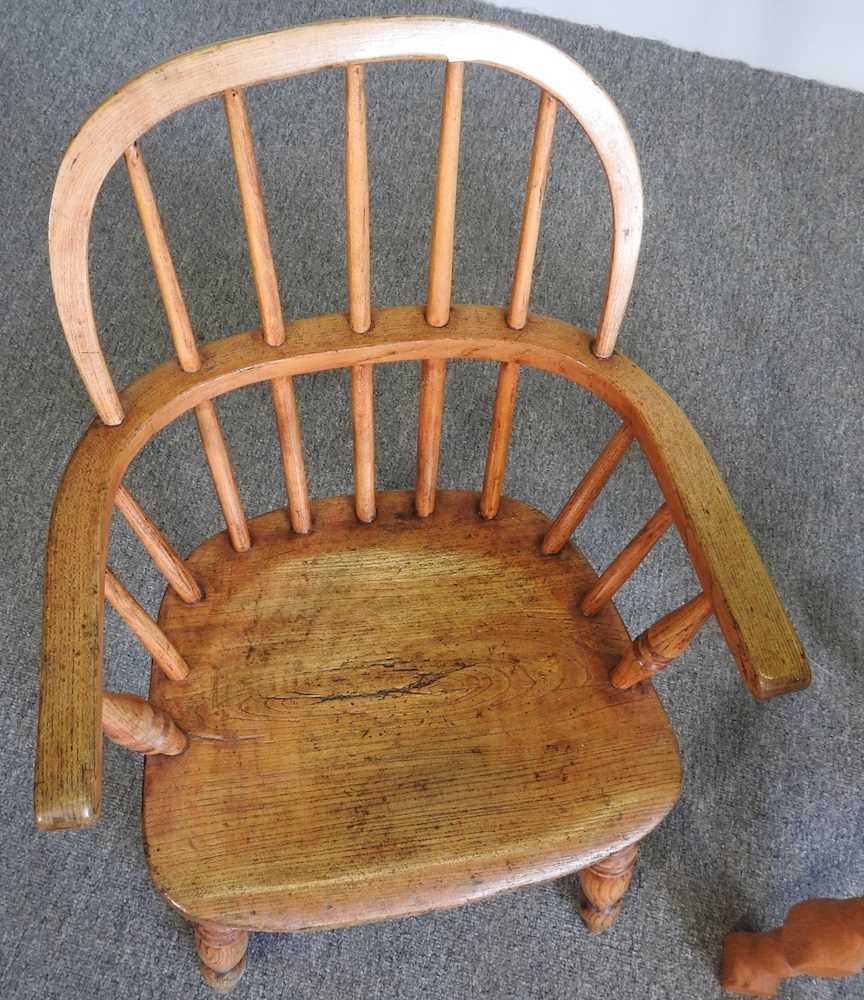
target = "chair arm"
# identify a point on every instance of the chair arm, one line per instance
(755, 625)
(68, 774)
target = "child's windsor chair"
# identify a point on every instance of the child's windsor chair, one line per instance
(392, 702)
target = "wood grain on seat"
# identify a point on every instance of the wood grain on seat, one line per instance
(394, 717)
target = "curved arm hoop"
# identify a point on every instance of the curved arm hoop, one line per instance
(187, 79)
(747, 607)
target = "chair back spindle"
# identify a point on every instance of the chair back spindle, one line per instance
(291, 450)
(159, 549)
(269, 304)
(254, 218)
(363, 424)
(357, 200)
(444, 212)
(212, 439)
(222, 472)
(622, 567)
(499, 438)
(148, 633)
(433, 373)
(163, 266)
(587, 491)
(359, 301)
(538, 173)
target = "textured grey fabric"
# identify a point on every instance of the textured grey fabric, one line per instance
(747, 308)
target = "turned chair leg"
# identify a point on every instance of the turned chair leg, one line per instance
(222, 951)
(603, 885)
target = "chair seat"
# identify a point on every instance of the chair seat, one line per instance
(395, 717)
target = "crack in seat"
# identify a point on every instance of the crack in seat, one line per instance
(394, 717)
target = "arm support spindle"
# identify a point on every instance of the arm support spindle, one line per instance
(660, 644)
(135, 724)
(622, 567)
(160, 551)
(587, 491)
(148, 633)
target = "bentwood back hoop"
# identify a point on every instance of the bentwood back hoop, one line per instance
(369, 706)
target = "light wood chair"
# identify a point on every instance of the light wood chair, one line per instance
(376, 705)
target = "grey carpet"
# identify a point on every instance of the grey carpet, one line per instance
(747, 308)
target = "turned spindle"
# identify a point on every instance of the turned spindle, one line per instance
(603, 885)
(660, 644)
(135, 724)
(222, 952)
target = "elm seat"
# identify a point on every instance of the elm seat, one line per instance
(394, 717)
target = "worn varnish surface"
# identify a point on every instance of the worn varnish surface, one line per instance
(394, 717)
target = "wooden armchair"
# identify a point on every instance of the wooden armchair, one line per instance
(380, 704)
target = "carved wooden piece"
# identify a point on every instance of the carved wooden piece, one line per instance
(222, 951)
(254, 217)
(68, 771)
(158, 548)
(661, 643)
(588, 490)
(163, 267)
(603, 885)
(433, 375)
(499, 439)
(137, 725)
(444, 215)
(433, 724)
(222, 472)
(820, 937)
(148, 633)
(233, 65)
(622, 567)
(520, 294)
(291, 450)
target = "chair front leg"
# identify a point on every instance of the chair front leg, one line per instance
(222, 951)
(603, 885)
